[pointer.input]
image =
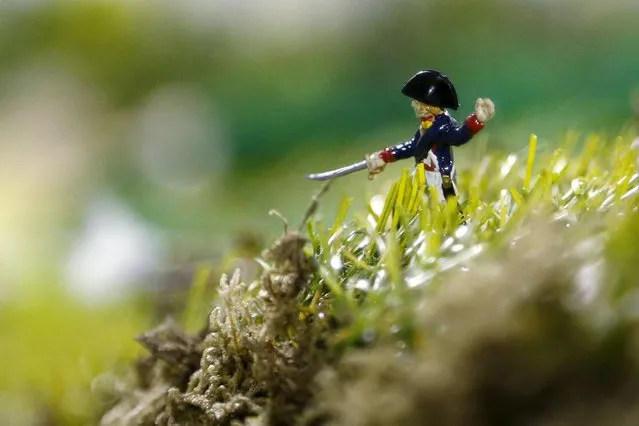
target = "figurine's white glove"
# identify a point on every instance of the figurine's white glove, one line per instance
(375, 164)
(484, 109)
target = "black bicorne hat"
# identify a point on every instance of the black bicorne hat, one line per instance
(432, 88)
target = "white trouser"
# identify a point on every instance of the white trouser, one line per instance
(434, 177)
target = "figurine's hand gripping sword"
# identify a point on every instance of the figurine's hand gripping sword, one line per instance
(373, 162)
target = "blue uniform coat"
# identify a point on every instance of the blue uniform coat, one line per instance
(443, 134)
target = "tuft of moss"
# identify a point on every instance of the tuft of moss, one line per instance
(515, 342)
(257, 359)
(174, 356)
(223, 389)
(519, 311)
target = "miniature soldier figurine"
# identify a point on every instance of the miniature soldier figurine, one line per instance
(431, 93)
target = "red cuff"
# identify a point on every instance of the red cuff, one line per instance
(387, 156)
(474, 124)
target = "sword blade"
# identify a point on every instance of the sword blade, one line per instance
(332, 174)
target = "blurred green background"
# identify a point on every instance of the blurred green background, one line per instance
(139, 140)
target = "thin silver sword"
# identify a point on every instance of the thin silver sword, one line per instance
(343, 171)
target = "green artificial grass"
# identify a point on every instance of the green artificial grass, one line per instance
(406, 243)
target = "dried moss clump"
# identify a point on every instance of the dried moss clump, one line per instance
(291, 353)
(174, 356)
(223, 388)
(255, 362)
(523, 315)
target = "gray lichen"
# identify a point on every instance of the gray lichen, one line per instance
(174, 356)
(288, 358)
(256, 361)
(223, 387)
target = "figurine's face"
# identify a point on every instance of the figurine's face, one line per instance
(424, 110)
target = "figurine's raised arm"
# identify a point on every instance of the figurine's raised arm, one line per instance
(450, 134)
